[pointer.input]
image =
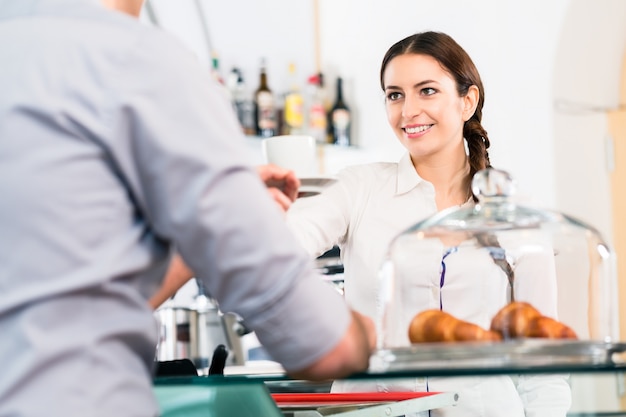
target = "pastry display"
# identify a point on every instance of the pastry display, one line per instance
(515, 320)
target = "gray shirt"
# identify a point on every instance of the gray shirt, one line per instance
(116, 145)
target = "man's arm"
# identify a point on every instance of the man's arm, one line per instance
(282, 184)
(350, 355)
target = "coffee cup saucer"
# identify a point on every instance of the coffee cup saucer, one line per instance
(310, 186)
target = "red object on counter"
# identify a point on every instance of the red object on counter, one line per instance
(346, 398)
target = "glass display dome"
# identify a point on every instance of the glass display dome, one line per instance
(500, 281)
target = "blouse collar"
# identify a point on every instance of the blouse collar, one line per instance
(408, 178)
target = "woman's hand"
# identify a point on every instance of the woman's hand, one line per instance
(282, 184)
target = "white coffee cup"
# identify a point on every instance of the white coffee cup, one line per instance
(295, 152)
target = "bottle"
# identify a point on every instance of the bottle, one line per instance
(294, 105)
(316, 110)
(339, 119)
(215, 69)
(264, 107)
(247, 114)
(242, 101)
(234, 88)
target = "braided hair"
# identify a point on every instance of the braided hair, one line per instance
(453, 58)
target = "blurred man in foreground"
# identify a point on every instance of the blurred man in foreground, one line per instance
(116, 147)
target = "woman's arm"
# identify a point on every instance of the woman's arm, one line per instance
(321, 222)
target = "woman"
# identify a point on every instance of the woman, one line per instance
(433, 98)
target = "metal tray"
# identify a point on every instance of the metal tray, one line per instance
(513, 353)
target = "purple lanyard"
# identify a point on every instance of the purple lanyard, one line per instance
(442, 280)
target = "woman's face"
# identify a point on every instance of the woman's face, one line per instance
(423, 106)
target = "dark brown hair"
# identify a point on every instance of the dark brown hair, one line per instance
(457, 62)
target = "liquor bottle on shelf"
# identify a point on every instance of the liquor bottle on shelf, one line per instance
(215, 68)
(264, 107)
(241, 100)
(235, 88)
(316, 109)
(339, 119)
(293, 105)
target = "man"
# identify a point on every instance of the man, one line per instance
(115, 147)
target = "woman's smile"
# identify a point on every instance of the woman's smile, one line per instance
(416, 131)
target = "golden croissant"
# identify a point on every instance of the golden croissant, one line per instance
(515, 320)
(520, 319)
(439, 326)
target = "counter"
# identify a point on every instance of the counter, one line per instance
(251, 395)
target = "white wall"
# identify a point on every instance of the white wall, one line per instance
(588, 68)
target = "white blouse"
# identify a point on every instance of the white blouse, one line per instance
(362, 213)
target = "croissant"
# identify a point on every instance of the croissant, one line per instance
(439, 326)
(520, 319)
